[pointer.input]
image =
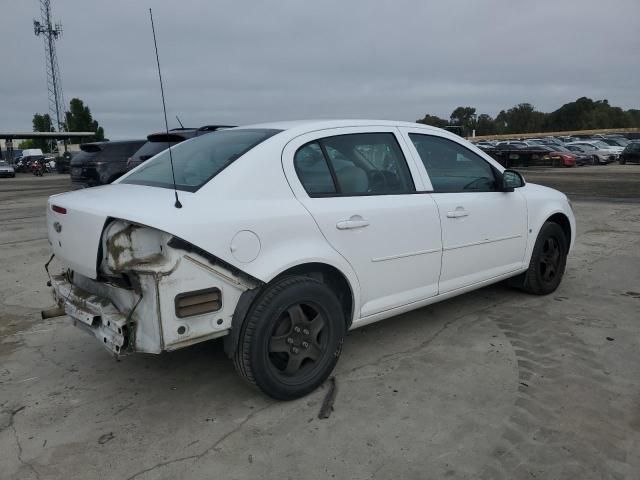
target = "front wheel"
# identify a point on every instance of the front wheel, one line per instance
(596, 160)
(291, 338)
(548, 262)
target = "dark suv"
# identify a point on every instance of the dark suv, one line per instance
(100, 163)
(157, 142)
(631, 153)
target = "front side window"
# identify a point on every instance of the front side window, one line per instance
(452, 167)
(198, 160)
(354, 164)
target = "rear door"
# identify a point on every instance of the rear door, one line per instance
(484, 231)
(367, 197)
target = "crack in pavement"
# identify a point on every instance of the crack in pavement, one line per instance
(401, 354)
(208, 449)
(405, 353)
(17, 438)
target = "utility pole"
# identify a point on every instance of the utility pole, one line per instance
(50, 33)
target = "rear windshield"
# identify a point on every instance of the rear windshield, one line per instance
(106, 152)
(198, 160)
(150, 149)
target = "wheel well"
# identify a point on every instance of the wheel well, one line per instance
(563, 221)
(330, 276)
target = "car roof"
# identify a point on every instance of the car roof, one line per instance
(298, 126)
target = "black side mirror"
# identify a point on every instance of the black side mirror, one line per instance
(511, 180)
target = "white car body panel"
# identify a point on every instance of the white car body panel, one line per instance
(397, 242)
(254, 221)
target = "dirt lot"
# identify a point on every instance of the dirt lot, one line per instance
(494, 384)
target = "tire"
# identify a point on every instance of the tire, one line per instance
(548, 262)
(291, 338)
(596, 160)
(622, 161)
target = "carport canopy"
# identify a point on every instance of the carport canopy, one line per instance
(51, 135)
(10, 137)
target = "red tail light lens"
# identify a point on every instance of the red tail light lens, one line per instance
(58, 209)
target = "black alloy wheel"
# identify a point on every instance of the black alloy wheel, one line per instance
(548, 262)
(291, 338)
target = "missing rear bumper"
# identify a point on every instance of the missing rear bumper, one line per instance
(94, 314)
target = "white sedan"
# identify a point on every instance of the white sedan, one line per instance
(601, 152)
(281, 237)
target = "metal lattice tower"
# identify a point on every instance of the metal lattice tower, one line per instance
(51, 32)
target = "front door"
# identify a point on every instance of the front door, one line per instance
(362, 192)
(484, 231)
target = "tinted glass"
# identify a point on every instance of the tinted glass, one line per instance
(313, 170)
(119, 152)
(198, 160)
(150, 149)
(368, 163)
(452, 167)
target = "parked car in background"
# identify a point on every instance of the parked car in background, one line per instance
(581, 157)
(6, 170)
(567, 159)
(157, 142)
(510, 145)
(100, 163)
(631, 153)
(600, 152)
(63, 162)
(615, 142)
(387, 217)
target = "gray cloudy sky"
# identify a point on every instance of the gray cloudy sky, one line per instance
(240, 62)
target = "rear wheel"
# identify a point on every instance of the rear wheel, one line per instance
(291, 338)
(548, 262)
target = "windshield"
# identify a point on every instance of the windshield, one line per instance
(586, 147)
(198, 160)
(559, 148)
(601, 144)
(3, 163)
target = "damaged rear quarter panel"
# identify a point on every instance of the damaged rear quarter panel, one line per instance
(143, 253)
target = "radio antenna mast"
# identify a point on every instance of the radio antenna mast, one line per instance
(50, 33)
(164, 108)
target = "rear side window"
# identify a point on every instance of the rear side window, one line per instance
(150, 149)
(452, 167)
(198, 160)
(354, 164)
(313, 170)
(120, 152)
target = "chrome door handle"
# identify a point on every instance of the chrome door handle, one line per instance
(356, 221)
(458, 213)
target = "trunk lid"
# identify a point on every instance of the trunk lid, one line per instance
(75, 220)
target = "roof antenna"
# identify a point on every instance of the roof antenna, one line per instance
(178, 118)
(164, 108)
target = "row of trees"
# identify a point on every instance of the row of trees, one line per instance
(583, 114)
(77, 119)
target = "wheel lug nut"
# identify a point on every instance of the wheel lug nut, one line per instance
(294, 350)
(306, 331)
(296, 329)
(305, 344)
(289, 340)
